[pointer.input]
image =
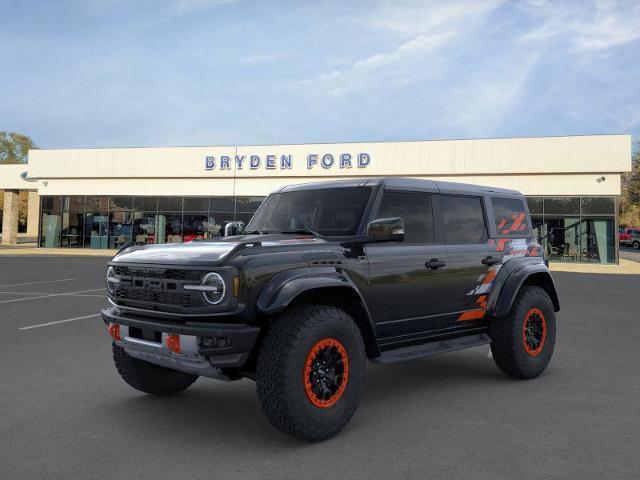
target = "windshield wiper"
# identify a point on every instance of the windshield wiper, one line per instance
(258, 232)
(302, 230)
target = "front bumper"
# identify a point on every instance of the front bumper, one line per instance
(205, 348)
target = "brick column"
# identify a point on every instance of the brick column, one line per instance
(33, 214)
(10, 217)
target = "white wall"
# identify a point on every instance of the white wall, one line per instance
(535, 166)
(568, 184)
(10, 178)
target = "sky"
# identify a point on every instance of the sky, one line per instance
(114, 73)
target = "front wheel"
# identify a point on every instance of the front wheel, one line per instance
(311, 371)
(636, 245)
(150, 378)
(522, 342)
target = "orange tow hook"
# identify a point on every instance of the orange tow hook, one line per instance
(173, 343)
(114, 331)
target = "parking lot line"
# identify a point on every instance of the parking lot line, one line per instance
(59, 321)
(41, 293)
(20, 293)
(50, 295)
(41, 281)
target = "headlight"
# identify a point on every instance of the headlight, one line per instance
(112, 280)
(212, 287)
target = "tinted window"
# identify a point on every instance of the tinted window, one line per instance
(146, 203)
(196, 204)
(510, 216)
(415, 210)
(562, 205)
(463, 219)
(170, 204)
(120, 203)
(598, 205)
(535, 205)
(328, 211)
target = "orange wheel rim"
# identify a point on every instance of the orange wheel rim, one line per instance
(534, 332)
(326, 373)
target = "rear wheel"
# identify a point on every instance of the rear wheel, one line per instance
(150, 378)
(522, 343)
(311, 371)
(636, 245)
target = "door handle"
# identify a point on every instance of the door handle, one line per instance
(490, 260)
(434, 264)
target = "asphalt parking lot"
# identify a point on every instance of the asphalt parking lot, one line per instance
(66, 414)
(630, 253)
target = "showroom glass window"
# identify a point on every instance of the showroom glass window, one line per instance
(111, 222)
(575, 229)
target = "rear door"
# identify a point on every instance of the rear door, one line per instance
(408, 279)
(469, 252)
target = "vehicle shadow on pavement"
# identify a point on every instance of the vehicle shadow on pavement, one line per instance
(442, 371)
(218, 413)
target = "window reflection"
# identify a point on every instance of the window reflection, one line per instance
(144, 227)
(120, 229)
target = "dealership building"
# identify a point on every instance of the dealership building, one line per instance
(105, 198)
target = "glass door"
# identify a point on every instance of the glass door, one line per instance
(96, 230)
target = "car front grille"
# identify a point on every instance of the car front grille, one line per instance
(158, 289)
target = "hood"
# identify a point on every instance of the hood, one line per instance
(207, 252)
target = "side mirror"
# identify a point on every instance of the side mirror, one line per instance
(386, 230)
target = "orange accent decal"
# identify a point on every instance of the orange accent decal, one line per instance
(517, 222)
(491, 274)
(325, 343)
(482, 301)
(502, 223)
(471, 315)
(475, 314)
(501, 244)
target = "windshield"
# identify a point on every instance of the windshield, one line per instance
(333, 212)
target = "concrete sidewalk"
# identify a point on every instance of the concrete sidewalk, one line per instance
(626, 267)
(76, 252)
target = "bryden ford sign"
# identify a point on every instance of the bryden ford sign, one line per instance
(286, 162)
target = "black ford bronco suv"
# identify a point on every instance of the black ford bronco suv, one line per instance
(329, 275)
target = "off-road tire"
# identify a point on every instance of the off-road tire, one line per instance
(281, 374)
(511, 352)
(150, 378)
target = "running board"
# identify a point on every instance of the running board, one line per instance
(432, 348)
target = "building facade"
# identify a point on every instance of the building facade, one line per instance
(105, 198)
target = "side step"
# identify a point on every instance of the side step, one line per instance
(432, 348)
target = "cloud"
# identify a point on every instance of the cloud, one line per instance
(419, 17)
(418, 31)
(264, 57)
(606, 25)
(480, 105)
(361, 73)
(186, 5)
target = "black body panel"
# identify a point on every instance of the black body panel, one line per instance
(401, 294)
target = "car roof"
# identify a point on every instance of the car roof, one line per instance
(403, 183)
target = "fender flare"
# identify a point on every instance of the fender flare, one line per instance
(286, 286)
(536, 273)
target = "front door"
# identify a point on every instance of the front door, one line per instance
(408, 281)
